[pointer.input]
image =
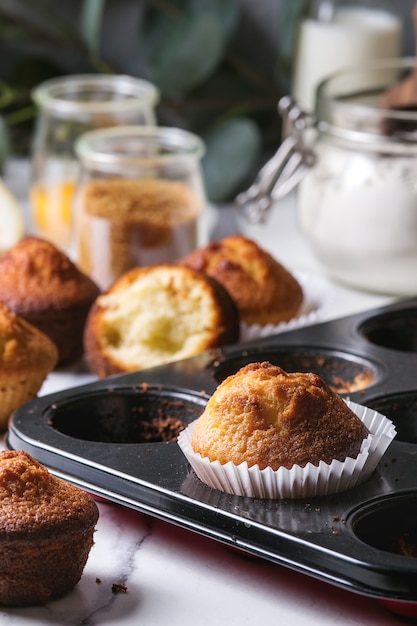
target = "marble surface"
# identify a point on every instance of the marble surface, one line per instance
(176, 577)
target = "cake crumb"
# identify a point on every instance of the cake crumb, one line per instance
(118, 588)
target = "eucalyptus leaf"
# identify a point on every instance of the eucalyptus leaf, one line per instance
(189, 54)
(154, 30)
(91, 16)
(292, 13)
(158, 20)
(232, 150)
(226, 11)
(4, 143)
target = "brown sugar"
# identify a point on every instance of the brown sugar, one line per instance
(123, 223)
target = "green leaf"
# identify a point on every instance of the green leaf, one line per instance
(227, 12)
(7, 94)
(158, 20)
(90, 23)
(232, 150)
(292, 12)
(189, 54)
(4, 143)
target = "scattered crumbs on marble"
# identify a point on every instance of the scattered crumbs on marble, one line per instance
(98, 580)
(118, 588)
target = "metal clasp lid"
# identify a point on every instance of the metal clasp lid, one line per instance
(284, 170)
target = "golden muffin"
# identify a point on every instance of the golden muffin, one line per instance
(46, 531)
(42, 285)
(271, 418)
(26, 358)
(157, 314)
(264, 291)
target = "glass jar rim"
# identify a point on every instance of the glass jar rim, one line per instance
(57, 94)
(348, 101)
(101, 148)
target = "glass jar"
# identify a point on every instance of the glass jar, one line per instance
(67, 107)
(336, 34)
(140, 199)
(357, 204)
(354, 164)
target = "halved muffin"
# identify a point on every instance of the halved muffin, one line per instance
(157, 314)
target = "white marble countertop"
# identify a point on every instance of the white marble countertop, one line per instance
(174, 576)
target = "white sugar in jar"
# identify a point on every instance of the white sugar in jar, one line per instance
(357, 204)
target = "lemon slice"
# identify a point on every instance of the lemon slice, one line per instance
(12, 223)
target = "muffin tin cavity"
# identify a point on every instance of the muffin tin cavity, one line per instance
(342, 371)
(128, 415)
(401, 409)
(389, 524)
(396, 330)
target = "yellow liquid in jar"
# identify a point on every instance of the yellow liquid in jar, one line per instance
(52, 212)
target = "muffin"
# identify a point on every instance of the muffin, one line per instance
(42, 285)
(157, 314)
(264, 291)
(269, 433)
(26, 358)
(267, 417)
(46, 532)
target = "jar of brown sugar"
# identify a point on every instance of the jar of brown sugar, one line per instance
(139, 201)
(69, 106)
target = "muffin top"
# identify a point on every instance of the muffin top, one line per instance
(35, 275)
(264, 291)
(271, 418)
(34, 503)
(21, 344)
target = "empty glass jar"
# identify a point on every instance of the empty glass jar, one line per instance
(140, 199)
(67, 107)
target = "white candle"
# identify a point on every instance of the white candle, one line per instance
(355, 35)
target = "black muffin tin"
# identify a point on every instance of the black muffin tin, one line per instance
(101, 437)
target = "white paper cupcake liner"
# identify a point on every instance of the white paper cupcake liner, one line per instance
(317, 297)
(297, 482)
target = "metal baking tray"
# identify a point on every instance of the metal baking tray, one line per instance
(363, 540)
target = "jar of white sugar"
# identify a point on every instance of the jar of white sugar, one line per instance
(357, 160)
